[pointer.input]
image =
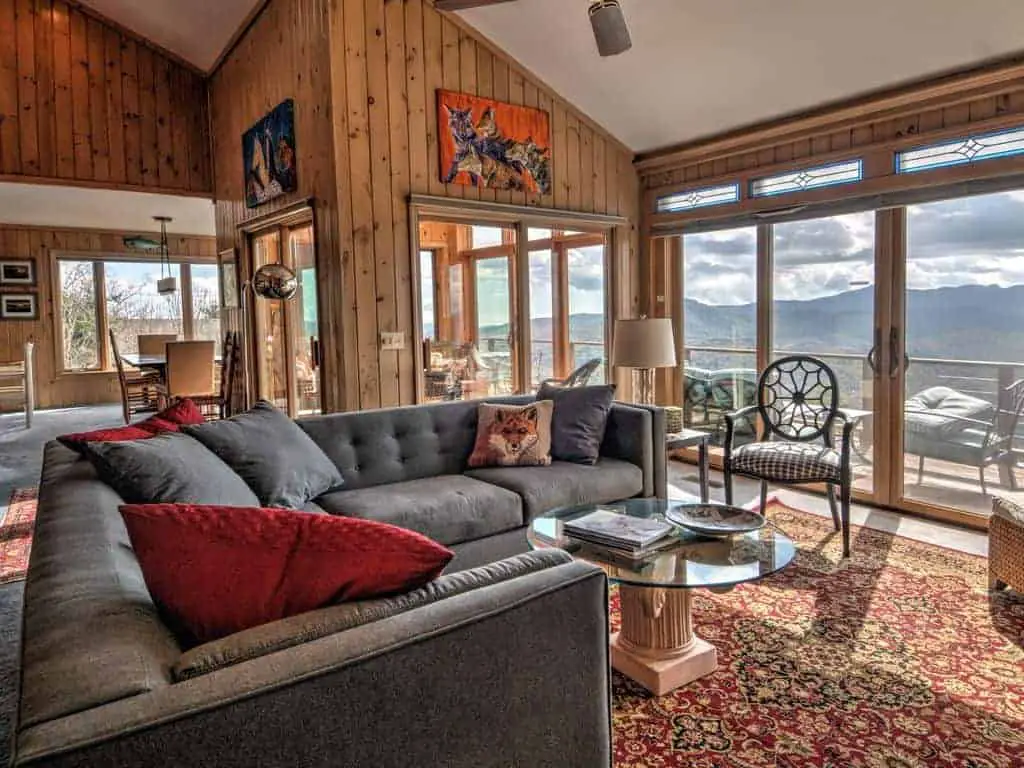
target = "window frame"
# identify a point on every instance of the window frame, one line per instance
(106, 363)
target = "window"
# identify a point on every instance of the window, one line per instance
(962, 151)
(122, 296)
(586, 307)
(133, 305)
(78, 315)
(427, 294)
(542, 312)
(698, 198)
(485, 237)
(808, 178)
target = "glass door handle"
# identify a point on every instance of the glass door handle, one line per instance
(894, 357)
(314, 352)
(873, 354)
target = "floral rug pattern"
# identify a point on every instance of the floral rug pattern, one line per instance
(897, 658)
(16, 528)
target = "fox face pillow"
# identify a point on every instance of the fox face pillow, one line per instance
(513, 435)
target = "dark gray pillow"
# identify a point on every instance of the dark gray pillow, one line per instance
(581, 416)
(280, 462)
(171, 468)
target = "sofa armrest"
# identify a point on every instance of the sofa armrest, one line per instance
(511, 674)
(637, 434)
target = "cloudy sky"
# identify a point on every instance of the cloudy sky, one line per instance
(969, 241)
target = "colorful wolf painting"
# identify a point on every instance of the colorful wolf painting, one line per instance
(487, 143)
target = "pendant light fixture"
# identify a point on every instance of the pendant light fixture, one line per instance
(610, 29)
(168, 283)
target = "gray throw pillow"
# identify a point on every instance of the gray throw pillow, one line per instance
(171, 468)
(579, 422)
(280, 462)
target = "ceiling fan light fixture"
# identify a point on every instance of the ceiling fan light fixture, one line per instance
(610, 29)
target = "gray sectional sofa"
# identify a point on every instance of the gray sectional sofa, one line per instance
(495, 664)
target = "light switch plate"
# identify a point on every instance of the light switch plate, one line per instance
(392, 342)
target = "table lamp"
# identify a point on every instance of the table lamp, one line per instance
(644, 345)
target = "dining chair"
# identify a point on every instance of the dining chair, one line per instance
(798, 407)
(139, 389)
(155, 343)
(219, 404)
(18, 379)
(190, 369)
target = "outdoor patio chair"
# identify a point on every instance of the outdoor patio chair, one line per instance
(798, 405)
(944, 424)
(578, 378)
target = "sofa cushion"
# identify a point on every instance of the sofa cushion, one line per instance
(564, 484)
(169, 420)
(449, 509)
(579, 422)
(169, 468)
(513, 435)
(282, 465)
(287, 633)
(216, 571)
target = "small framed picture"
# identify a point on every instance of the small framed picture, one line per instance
(19, 306)
(17, 272)
(229, 279)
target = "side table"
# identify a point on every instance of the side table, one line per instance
(688, 438)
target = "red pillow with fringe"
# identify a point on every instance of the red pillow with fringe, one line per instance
(217, 570)
(182, 413)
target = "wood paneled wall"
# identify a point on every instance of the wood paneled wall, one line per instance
(364, 74)
(82, 102)
(53, 388)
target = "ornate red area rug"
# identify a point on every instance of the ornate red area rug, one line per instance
(16, 534)
(896, 658)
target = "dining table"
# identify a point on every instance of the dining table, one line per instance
(154, 362)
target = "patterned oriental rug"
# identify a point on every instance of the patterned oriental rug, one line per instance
(16, 535)
(897, 658)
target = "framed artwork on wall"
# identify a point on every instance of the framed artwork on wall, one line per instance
(18, 272)
(19, 306)
(491, 144)
(268, 156)
(229, 279)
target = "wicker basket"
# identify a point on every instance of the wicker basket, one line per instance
(1006, 545)
(673, 419)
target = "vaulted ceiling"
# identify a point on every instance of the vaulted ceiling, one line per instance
(195, 30)
(697, 68)
(702, 67)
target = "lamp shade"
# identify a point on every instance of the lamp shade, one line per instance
(647, 343)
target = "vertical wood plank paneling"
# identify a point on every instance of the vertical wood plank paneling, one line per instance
(115, 105)
(63, 110)
(10, 150)
(45, 88)
(386, 61)
(166, 170)
(28, 112)
(68, 88)
(148, 119)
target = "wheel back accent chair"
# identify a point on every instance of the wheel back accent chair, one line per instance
(798, 406)
(18, 379)
(578, 378)
(139, 389)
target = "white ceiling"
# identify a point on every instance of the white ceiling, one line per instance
(701, 67)
(39, 205)
(196, 30)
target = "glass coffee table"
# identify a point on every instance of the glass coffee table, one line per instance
(657, 646)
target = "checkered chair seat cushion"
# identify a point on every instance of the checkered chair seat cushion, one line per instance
(788, 462)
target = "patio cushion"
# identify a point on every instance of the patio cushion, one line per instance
(1007, 510)
(937, 412)
(450, 509)
(564, 484)
(788, 462)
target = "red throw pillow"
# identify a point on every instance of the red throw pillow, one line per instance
(219, 570)
(172, 419)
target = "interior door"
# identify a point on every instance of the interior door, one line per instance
(286, 333)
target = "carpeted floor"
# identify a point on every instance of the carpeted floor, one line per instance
(897, 658)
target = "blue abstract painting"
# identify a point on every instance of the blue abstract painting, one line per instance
(268, 155)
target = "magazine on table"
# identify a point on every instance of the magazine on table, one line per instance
(611, 528)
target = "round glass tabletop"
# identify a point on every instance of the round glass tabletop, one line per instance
(695, 561)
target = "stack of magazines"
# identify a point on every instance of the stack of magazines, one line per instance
(631, 538)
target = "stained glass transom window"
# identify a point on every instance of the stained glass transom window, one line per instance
(699, 198)
(961, 151)
(809, 178)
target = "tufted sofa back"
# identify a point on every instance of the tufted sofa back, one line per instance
(393, 445)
